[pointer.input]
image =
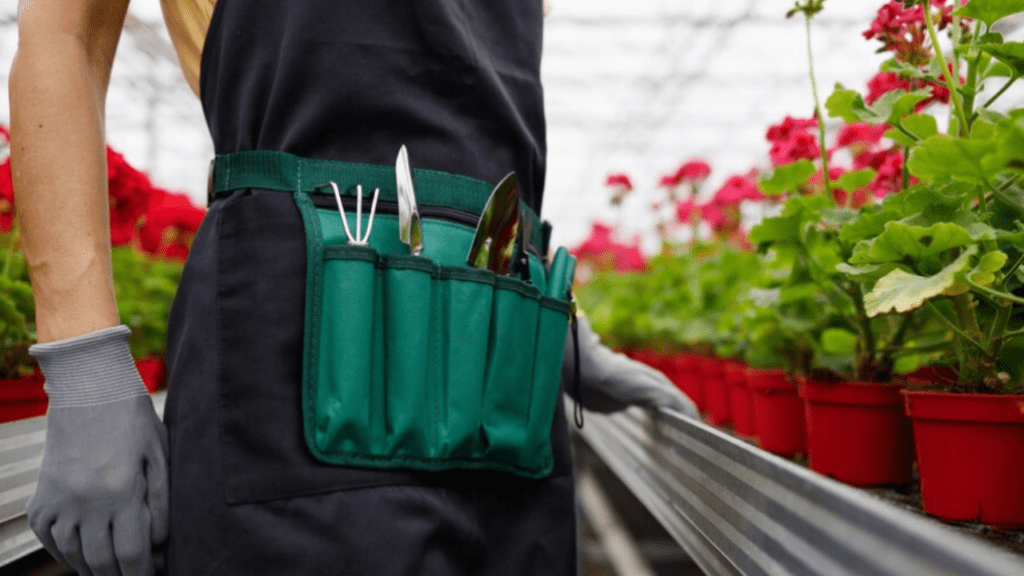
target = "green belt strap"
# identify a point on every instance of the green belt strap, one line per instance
(272, 170)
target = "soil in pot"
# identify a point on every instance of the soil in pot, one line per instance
(857, 432)
(970, 450)
(779, 418)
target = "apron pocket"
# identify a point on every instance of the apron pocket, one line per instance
(410, 364)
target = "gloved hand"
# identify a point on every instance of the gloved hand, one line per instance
(101, 502)
(610, 381)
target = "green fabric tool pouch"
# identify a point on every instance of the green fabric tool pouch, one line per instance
(408, 363)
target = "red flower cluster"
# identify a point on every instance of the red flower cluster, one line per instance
(860, 135)
(621, 186)
(885, 82)
(6, 185)
(792, 140)
(605, 253)
(692, 171)
(160, 222)
(888, 163)
(903, 32)
(619, 180)
(865, 143)
(737, 189)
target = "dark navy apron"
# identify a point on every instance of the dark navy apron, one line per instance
(457, 81)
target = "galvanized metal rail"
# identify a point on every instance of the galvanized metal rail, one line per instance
(738, 510)
(21, 451)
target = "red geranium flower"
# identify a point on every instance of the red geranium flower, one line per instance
(799, 146)
(883, 83)
(620, 180)
(691, 171)
(860, 133)
(685, 210)
(129, 191)
(789, 126)
(6, 196)
(171, 223)
(605, 253)
(737, 189)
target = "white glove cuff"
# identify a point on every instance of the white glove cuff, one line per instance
(94, 368)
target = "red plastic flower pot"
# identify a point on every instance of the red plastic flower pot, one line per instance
(22, 398)
(716, 390)
(970, 454)
(778, 412)
(153, 372)
(857, 432)
(683, 373)
(740, 405)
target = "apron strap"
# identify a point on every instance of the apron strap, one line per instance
(280, 171)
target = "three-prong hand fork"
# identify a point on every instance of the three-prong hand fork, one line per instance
(358, 239)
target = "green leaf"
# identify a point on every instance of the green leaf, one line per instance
(856, 179)
(893, 106)
(899, 241)
(989, 11)
(776, 229)
(942, 158)
(787, 178)
(868, 273)
(838, 341)
(1010, 53)
(900, 291)
(984, 272)
(998, 70)
(921, 125)
(869, 223)
(848, 105)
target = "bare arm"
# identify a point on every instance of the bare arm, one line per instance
(58, 88)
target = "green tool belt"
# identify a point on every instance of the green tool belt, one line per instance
(415, 362)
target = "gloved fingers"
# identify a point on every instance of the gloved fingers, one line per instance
(42, 526)
(132, 545)
(157, 496)
(69, 542)
(98, 549)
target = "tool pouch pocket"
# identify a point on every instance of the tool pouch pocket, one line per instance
(411, 364)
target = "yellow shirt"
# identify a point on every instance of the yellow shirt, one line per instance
(187, 22)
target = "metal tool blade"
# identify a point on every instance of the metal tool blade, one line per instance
(410, 228)
(495, 238)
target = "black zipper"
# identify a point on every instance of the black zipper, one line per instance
(391, 207)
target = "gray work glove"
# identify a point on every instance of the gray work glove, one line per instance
(610, 381)
(101, 502)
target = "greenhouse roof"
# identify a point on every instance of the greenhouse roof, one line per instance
(631, 87)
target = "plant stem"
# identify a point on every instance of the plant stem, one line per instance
(907, 350)
(956, 329)
(1011, 335)
(954, 93)
(1012, 270)
(996, 293)
(1013, 78)
(817, 112)
(866, 333)
(904, 170)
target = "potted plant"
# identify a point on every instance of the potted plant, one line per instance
(21, 386)
(951, 245)
(145, 286)
(856, 429)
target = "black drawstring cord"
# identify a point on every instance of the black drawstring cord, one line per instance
(577, 413)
